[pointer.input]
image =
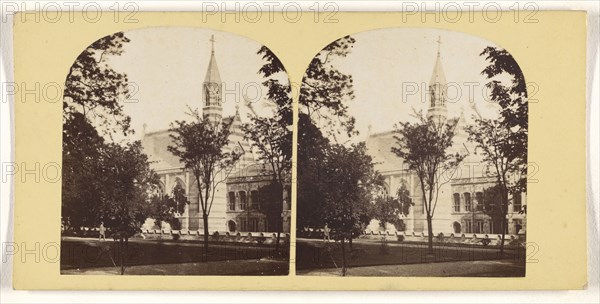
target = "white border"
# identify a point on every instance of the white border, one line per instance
(590, 295)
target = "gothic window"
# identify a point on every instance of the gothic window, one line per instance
(232, 200)
(456, 202)
(207, 95)
(468, 226)
(254, 199)
(456, 227)
(479, 198)
(468, 202)
(478, 227)
(517, 204)
(243, 202)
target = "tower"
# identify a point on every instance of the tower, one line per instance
(212, 89)
(437, 90)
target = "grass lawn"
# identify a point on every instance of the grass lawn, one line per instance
(91, 253)
(315, 254)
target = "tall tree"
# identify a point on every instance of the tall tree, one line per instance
(504, 140)
(349, 183)
(92, 109)
(270, 140)
(127, 180)
(513, 101)
(271, 137)
(323, 115)
(201, 145)
(312, 148)
(424, 146)
(495, 141)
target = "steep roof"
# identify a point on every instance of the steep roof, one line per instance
(438, 76)
(155, 146)
(379, 146)
(212, 73)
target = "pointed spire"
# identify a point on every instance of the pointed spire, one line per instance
(212, 73)
(438, 76)
(212, 88)
(237, 113)
(437, 89)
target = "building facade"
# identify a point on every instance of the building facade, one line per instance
(461, 197)
(257, 213)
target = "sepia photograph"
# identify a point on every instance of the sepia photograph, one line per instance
(412, 157)
(177, 149)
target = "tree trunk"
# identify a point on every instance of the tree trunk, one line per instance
(205, 222)
(343, 257)
(122, 256)
(277, 243)
(429, 235)
(503, 235)
(504, 214)
(279, 220)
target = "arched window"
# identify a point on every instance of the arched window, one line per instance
(254, 199)
(231, 200)
(243, 201)
(456, 227)
(517, 203)
(231, 226)
(479, 198)
(456, 204)
(468, 202)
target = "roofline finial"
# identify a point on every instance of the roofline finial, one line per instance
(439, 42)
(212, 41)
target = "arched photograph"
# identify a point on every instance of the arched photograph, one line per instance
(177, 148)
(412, 157)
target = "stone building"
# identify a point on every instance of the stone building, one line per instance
(460, 202)
(227, 214)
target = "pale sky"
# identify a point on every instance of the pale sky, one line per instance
(168, 66)
(383, 60)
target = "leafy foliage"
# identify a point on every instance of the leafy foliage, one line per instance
(323, 112)
(514, 114)
(101, 180)
(492, 201)
(325, 90)
(164, 207)
(271, 137)
(201, 145)
(389, 209)
(424, 145)
(312, 149)
(503, 142)
(348, 187)
(424, 148)
(127, 179)
(95, 90)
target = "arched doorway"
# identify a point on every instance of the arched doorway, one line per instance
(456, 227)
(518, 228)
(231, 226)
